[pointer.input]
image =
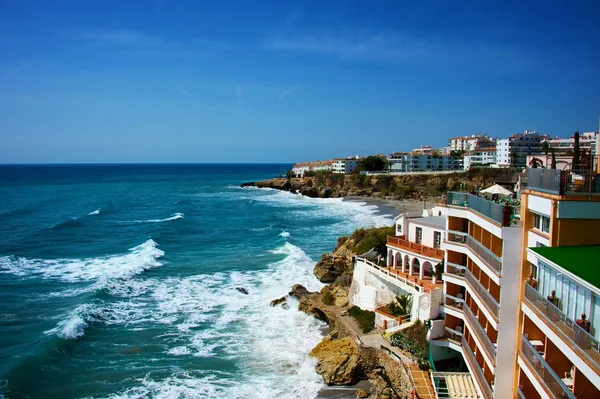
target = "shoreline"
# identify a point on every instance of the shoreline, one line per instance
(388, 206)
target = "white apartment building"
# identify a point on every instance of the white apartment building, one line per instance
(470, 143)
(479, 156)
(316, 166)
(587, 140)
(522, 144)
(345, 165)
(420, 162)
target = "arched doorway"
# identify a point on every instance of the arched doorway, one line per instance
(398, 259)
(406, 264)
(390, 258)
(427, 270)
(416, 266)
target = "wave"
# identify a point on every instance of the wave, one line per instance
(175, 216)
(96, 212)
(284, 234)
(142, 257)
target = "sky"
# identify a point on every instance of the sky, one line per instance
(286, 81)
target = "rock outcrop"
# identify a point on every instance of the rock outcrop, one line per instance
(338, 361)
(330, 267)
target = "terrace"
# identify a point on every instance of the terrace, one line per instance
(563, 182)
(505, 212)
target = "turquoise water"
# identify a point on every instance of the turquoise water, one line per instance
(119, 281)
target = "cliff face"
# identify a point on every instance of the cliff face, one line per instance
(381, 186)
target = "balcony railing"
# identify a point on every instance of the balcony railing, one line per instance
(520, 394)
(581, 339)
(487, 256)
(416, 248)
(476, 370)
(562, 182)
(452, 334)
(456, 270)
(480, 333)
(551, 381)
(383, 270)
(455, 302)
(487, 298)
(498, 213)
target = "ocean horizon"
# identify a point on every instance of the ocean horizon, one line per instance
(121, 280)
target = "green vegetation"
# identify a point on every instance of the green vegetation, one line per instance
(439, 269)
(402, 306)
(365, 239)
(372, 163)
(414, 341)
(364, 318)
(328, 298)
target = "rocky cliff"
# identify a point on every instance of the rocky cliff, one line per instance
(382, 186)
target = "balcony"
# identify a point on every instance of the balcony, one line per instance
(483, 253)
(420, 249)
(488, 300)
(479, 332)
(562, 182)
(504, 215)
(455, 270)
(476, 370)
(577, 336)
(544, 373)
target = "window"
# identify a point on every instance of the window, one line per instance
(437, 239)
(541, 222)
(419, 235)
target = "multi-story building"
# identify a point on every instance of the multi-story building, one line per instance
(480, 156)
(559, 314)
(316, 166)
(483, 243)
(520, 145)
(345, 165)
(419, 162)
(587, 141)
(469, 143)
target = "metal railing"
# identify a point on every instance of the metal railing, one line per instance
(498, 213)
(520, 394)
(454, 269)
(487, 256)
(476, 370)
(581, 339)
(441, 383)
(452, 334)
(552, 382)
(480, 333)
(488, 300)
(455, 302)
(405, 280)
(563, 182)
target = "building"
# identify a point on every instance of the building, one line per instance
(520, 145)
(421, 162)
(469, 143)
(482, 244)
(559, 313)
(345, 165)
(409, 269)
(479, 157)
(587, 141)
(300, 168)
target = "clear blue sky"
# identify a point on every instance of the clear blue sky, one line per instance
(286, 81)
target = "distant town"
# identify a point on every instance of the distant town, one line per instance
(527, 149)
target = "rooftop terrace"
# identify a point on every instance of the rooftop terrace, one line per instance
(582, 261)
(503, 213)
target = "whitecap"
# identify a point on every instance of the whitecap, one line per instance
(96, 212)
(285, 234)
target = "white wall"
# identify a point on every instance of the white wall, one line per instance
(533, 239)
(510, 285)
(427, 237)
(370, 291)
(540, 205)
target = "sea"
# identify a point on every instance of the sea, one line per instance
(126, 281)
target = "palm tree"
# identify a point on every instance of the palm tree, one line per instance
(513, 157)
(404, 304)
(546, 150)
(553, 159)
(575, 164)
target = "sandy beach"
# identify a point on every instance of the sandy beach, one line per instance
(392, 207)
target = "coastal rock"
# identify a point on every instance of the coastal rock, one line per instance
(325, 192)
(309, 192)
(279, 301)
(331, 267)
(338, 361)
(242, 290)
(361, 393)
(299, 291)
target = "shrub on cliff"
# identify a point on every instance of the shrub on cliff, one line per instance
(364, 318)
(365, 239)
(328, 298)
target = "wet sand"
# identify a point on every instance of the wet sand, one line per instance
(392, 207)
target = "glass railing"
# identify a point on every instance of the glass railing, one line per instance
(452, 334)
(480, 333)
(583, 340)
(454, 302)
(487, 298)
(484, 207)
(545, 373)
(487, 256)
(476, 370)
(454, 269)
(544, 180)
(563, 182)
(520, 394)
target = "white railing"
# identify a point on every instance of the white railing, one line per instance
(488, 300)
(455, 269)
(476, 370)
(480, 333)
(483, 253)
(383, 270)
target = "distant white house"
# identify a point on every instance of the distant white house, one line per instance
(521, 144)
(345, 165)
(480, 156)
(300, 168)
